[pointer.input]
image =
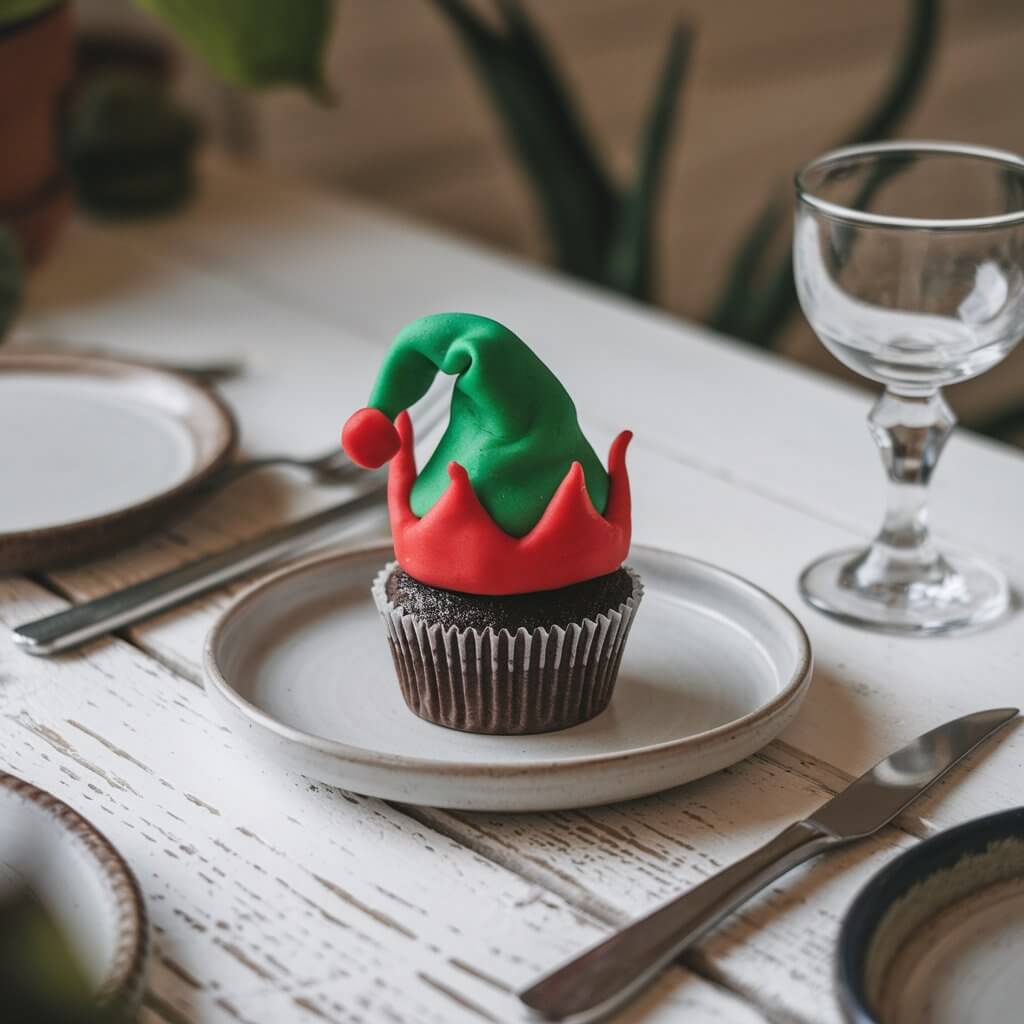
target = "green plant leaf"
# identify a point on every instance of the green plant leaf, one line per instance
(576, 196)
(11, 279)
(538, 62)
(758, 312)
(255, 43)
(12, 11)
(629, 267)
(909, 76)
(733, 305)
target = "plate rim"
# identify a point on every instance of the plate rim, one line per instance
(790, 691)
(120, 369)
(122, 985)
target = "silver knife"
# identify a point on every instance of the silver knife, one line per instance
(592, 985)
(91, 619)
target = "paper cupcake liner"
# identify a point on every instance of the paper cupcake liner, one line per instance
(507, 683)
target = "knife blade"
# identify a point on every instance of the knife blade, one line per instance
(882, 792)
(607, 975)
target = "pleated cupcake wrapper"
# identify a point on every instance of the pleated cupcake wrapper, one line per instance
(507, 683)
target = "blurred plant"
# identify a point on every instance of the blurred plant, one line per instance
(11, 279)
(759, 294)
(41, 980)
(601, 230)
(255, 43)
(130, 147)
(21, 10)
(249, 43)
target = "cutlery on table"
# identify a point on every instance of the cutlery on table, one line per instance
(331, 467)
(143, 600)
(206, 372)
(91, 619)
(614, 970)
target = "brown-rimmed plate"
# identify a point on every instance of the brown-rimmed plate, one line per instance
(83, 883)
(714, 669)
(96, 452)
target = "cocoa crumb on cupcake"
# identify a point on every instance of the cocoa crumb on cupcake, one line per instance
(544, 608)
(509, 606)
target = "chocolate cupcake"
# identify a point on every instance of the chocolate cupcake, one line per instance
(508, 608)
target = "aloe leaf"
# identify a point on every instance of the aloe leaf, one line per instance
(759, 313)
(11, 279)
(734, 301)
(911, 71)
(772, 306)
(255, 43)
(631, 248)
(543, 127)
(537, 60)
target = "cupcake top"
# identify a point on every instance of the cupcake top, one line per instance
(514, 498)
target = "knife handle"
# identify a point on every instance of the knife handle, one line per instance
(142, 600)
(614, 970)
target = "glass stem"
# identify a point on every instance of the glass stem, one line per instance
(910, 431)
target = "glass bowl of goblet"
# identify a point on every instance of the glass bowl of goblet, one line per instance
(909, 266)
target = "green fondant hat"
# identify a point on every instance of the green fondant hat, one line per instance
(513, 427)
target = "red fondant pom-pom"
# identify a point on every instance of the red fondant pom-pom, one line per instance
(370, 438)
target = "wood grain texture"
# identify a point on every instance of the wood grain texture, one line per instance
(739, 460)
(278, 898)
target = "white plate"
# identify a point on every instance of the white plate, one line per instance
(82, 882)
(714, 669)
(84, 441)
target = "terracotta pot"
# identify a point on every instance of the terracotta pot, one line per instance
(36, 64)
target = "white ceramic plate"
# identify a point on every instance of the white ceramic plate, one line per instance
(713, 670)
(82, 882)
(91, 445)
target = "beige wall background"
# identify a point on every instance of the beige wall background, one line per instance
(772, 82)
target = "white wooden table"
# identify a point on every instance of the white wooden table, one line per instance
(277, 899)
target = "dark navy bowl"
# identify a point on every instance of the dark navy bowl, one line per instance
(860, 927)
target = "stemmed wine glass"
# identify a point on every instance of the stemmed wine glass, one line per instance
(909, 265)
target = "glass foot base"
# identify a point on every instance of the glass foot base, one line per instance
(975, 594)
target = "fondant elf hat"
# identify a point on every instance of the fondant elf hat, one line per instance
(513, 481)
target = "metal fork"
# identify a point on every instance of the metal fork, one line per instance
(331, 467)
(206, 373)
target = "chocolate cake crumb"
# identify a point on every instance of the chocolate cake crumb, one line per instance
(544, 608)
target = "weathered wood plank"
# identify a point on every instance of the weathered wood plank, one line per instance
(620, 861)
(273, 895)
